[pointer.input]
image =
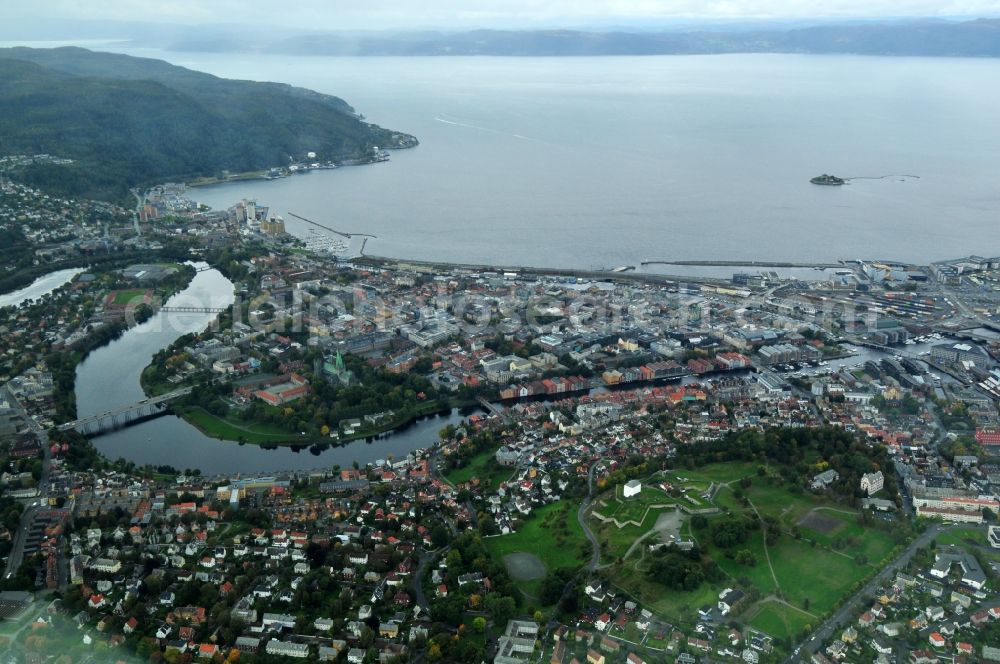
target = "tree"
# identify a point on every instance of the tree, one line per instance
(479, 624)
(501, 608)
(439, 536)
(730, 531)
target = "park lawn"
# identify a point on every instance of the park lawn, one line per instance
(848, 528)
(726, 501)
(217, 427)
(635, 508)
(780, 621)
(799, 567)
(619, 540)
(673, 605)
(124, 297)
(876, 545)
(759, 575)
(615, 541)
(720, 473)
(683, 480)
(483, 466)
(557, 543)
(779, 502)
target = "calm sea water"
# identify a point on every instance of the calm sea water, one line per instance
(600, 162)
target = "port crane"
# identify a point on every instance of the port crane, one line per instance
(327, 228)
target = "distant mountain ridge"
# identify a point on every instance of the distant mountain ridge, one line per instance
(129, 121)
(976, 38)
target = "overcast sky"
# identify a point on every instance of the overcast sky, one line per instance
(379, 14)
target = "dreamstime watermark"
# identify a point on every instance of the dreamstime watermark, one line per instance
(471, 314)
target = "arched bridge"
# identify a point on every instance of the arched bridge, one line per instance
(124, 416)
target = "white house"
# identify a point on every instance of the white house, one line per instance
(632, 488)
(871, 483)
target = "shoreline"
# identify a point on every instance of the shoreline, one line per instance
(262, 174)
(321, 443)
(82, 349)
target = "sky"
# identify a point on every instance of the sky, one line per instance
(330, 15)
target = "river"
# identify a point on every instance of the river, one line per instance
(39, 287)
(109, 378)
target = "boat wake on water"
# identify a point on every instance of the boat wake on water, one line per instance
(881, 177)
(487, 130)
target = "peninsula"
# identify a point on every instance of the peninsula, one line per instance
(119, 122)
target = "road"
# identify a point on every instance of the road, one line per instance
(595, 555)
(846, 614)
(151, 401)
(417, 580)
(17, 550)
(139, 200)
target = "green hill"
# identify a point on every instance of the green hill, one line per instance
(128, 121)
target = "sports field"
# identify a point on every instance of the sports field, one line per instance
(133, 296)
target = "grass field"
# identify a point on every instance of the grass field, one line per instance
(875, 545)
(759, 574)
(129, 296)
(551, 533)
(811, 578)
(797, 564)
(485, 467)
(217, 427)
(967, 538)
(780, 620)
(720, 473)
(672, 605)
(790, 508)
(819, 575)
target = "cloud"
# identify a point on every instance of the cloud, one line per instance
(395, 14)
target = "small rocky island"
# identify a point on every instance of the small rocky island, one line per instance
(831, 180)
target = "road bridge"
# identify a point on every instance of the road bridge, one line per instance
(196, 310)
(493, 408)
(889, 349)
(125, 415)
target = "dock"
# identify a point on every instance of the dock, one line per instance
(745, 264)
(595, 275)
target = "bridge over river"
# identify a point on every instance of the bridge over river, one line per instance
(195, 310)
(125, 415)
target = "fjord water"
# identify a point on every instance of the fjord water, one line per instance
(600, 162)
